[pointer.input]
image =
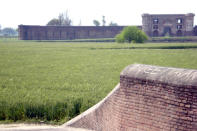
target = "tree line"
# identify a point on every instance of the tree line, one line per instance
(8, 31)
(64, 20)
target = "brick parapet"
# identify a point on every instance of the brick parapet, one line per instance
(149, 98)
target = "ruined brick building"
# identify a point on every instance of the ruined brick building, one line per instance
(168, 25)
(153, 25)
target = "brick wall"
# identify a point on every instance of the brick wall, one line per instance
(148, 98)
(27, 32)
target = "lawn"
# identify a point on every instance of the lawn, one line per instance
(55, 81)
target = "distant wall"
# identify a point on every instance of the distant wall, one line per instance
(27, 32)
(148, 98)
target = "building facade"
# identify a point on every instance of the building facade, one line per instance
(168, 24)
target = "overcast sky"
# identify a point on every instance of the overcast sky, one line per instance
(123, 12)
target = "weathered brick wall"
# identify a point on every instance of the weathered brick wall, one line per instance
(67, 32)
(149, 98)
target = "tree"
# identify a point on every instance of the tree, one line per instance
(103, 21)
(119, 38)
(54, 21)
(113, 24)
(96, 22)
(62, 20)
(9, 32)
(131, 34)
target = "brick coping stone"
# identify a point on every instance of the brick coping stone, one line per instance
(165, 75)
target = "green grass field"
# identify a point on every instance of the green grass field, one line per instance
(55, 81)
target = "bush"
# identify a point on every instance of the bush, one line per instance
(131, 34)
(141, 37)
(119, 38)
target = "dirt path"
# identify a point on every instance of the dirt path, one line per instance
(35, 127)
(25, 126)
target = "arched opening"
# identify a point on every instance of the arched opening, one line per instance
(167, 31)
(155, 33)
(179, 33)
(195, 31)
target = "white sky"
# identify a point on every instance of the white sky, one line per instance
(123, 12)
